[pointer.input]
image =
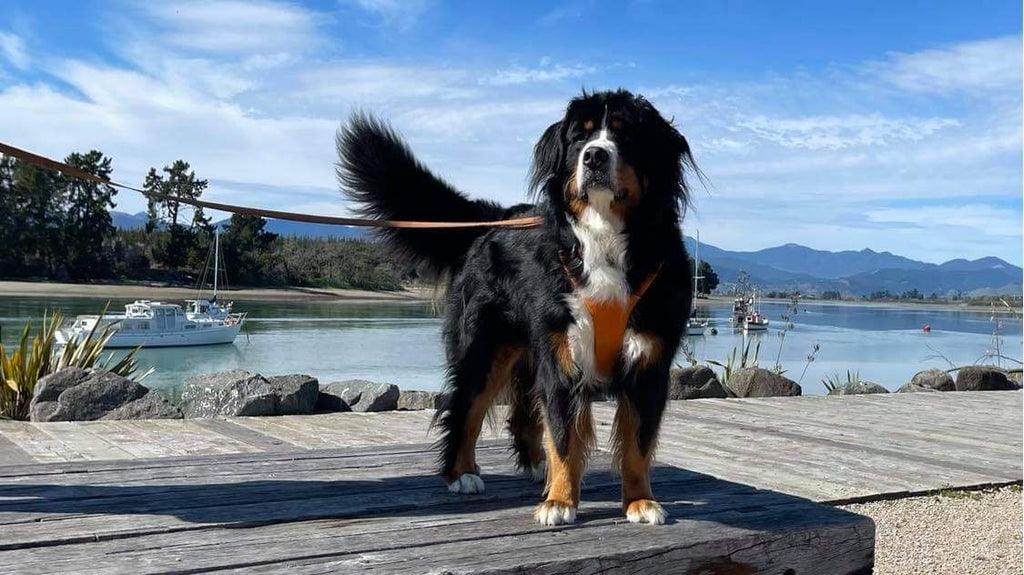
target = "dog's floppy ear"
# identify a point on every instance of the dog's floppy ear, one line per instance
(547, 159)
(672, 150)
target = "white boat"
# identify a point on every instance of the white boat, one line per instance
(754, 321)
(147, 323)
(694, 325)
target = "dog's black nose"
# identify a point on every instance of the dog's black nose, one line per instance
(595, 157)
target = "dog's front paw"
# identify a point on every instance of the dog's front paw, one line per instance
(555, 513)
(467, 483)
(646, 511)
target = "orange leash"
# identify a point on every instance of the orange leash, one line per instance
(44, 162)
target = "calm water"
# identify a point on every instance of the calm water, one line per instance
(400, 342)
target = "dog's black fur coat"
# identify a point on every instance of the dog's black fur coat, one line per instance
(508, 286)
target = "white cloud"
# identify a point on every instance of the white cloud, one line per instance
(233, 26)
(544, 73)
(839, 132)
(12, 48)
(980, 218)
(368, 83)
(984, 66)
(816, 158)
(401, 14)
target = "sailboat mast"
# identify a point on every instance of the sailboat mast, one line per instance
(216, 257)
(696, 263)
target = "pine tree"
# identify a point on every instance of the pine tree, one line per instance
(8, 225)
(36, 211)
(709, 282)
(184, 242)
(247, 248)
(87, 220)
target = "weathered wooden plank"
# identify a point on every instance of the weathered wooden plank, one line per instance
(878, 472)
(230, 428)
(997, 469)
(506, 539)
(273, 427)
(489, 531)
(40, 446)
(878, 418)
(133, 511)
(11, 454)
(143, 467)
(85, 443)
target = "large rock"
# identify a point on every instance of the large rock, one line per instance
(75, 394)
(239, 392)
(297, 393)
(911, 387)
(757, 382)
(153, 405)
(936, 379)
(49, 388)
(860, 388)
(983, 378)
(413, 400)
(695, 383)
(358, 395)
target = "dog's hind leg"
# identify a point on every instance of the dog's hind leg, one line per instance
(473, 393)
(524, 422)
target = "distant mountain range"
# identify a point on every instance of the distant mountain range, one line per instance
(787, 267)
(123, 220)
(793, 266)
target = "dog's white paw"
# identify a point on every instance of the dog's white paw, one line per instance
(539, 472)
(646, 511)
(555, 513)
(467, 483)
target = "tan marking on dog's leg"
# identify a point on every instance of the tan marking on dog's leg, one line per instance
(498, 378)
(564, 474)
(637, 499)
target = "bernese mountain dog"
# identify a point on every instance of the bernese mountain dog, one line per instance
(593, 302)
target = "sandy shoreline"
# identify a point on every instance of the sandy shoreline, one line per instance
(305, 294)
(720, 299)
(174, 293)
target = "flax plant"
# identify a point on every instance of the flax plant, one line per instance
(34, 358)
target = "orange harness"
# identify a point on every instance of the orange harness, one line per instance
(609, 318)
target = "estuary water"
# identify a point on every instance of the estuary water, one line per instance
(401, 342)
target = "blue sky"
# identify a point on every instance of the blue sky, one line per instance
(888, 125)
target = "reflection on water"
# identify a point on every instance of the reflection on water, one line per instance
(401, 342)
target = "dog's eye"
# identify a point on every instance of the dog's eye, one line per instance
(579, 136)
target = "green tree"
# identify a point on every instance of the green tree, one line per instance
(709, 281)
(247, 248)
(183, 244)
(86, 223)
(9, 228)
(36, 210)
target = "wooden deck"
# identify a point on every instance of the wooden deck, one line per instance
(348, 492)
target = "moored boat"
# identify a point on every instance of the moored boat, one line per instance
(146, 323)
(159, 324)
(696, 326)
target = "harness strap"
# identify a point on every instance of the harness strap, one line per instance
(609, 318)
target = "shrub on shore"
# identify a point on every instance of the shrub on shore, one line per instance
(36, 357)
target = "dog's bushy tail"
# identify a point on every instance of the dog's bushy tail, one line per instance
(377, 170)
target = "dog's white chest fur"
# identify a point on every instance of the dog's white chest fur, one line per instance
(603, 249)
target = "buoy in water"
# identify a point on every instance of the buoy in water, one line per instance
(714, 331)
(927, 328)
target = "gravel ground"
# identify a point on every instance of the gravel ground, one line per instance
(956, 532)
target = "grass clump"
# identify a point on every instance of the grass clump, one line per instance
(22, 366)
